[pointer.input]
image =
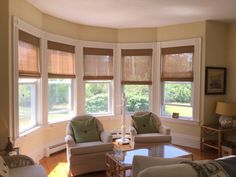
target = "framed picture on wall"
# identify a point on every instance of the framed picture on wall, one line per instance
(215, 81)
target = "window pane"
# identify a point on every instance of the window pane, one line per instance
(97, 97)
(27, 100)
(59, 99)
(137, 97)
(178, 98)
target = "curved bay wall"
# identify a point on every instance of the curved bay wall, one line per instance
(32, 15)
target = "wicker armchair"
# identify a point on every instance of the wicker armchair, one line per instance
(16, 161)
(23, 166)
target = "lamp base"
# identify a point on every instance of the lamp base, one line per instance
(122, 141)
(226, 121)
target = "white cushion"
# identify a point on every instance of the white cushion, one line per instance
(4, 171)
(178, 170)
(141, 162)
(91, 147)
(28, 171)
(152, 138)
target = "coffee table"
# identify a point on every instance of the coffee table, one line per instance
(119, 162)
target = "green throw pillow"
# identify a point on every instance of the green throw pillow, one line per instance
(144, 123)
(85, 130)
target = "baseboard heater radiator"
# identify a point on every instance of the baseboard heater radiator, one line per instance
(55, 148)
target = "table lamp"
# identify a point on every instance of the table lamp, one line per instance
(226, 112)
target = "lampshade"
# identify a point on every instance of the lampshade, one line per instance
(226, 109)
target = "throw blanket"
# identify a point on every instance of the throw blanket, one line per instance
(215, 168)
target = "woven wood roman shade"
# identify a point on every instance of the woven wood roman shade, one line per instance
(98, 64)
(136, 66)
(61, 60)
(177, 63)
(28, 55)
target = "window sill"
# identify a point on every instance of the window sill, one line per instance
(179, 121)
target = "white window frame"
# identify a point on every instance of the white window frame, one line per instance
(196, 42)
(71, 103)
(36, 100)
(113, 86)
(151, 87)
(68, 41)
(21, 25)
(109, 95)
(149, 96)
(179, 105)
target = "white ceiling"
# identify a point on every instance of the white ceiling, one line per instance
(137, 13)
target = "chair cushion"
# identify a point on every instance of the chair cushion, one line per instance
(28, 171)
(4, 171)
(144, 123)
(85, 130)
(91, 147)
(152, 138)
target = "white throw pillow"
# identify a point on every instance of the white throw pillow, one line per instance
(4, 171)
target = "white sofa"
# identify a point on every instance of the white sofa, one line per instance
(159, 167)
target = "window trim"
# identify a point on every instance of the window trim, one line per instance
(110, 100)
(196, 42)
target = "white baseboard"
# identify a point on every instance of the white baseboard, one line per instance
(186, 140)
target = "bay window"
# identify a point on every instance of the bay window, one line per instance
(177, 81)
(98, 76)
(61, 74)
(29, 75)
(137, 78)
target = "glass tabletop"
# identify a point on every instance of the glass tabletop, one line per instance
(164, 151)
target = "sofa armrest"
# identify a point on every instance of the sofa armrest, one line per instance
(16, 161)
(164, 130)
(106, 137)
(69, 140)
(132, 131)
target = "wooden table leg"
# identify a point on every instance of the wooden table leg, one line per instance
(219, 143)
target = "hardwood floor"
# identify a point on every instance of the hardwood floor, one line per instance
(56, 164)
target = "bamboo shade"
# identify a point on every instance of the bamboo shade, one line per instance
(98, 64)
(28, 55)
(177, 63)
(61, 60)
(137, 66)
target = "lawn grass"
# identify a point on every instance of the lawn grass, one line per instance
(183, 111)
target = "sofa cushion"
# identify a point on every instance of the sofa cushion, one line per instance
(4, 171)
(85, 130)
(91, 147)
(181, 170)
(142, 162)
(28, 171)
(152, 138)
(144, 123)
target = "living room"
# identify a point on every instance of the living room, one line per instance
(213, 40)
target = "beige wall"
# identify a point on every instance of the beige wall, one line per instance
(4, 73)
(216, 55)
(231, 96)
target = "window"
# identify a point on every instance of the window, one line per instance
(137, 78)
(29, 74)
(98, 76)
(177, 81)
(27, 104)
(60, 103)
(61, 74)
(97, 98)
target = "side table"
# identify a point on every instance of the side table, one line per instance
(208, 130)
